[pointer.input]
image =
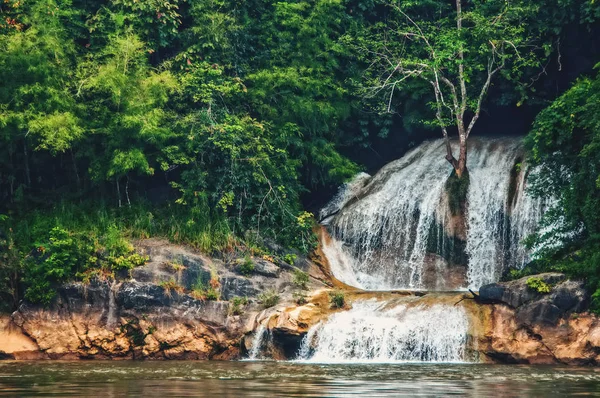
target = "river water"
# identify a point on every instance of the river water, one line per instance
(289, 379)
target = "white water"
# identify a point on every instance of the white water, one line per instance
(371, 332)
(381, 241)
(260, 338)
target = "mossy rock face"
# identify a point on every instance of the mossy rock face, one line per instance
(457, 189)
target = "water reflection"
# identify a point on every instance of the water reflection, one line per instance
(262, 379)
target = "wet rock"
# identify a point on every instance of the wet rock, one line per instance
(143, 296)
(516, 293)
(492, 293)
(570, 296)
(541, 312)
(532, 307)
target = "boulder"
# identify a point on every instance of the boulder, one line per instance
(516, 293)
(532, 307)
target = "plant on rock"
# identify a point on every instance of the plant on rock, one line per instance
(538, 285)
(337, 298)
(268, 298)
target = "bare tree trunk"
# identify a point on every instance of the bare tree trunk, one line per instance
(76, 170)
(27, 173)
(462, 157)
(127, 191)
(118, 191)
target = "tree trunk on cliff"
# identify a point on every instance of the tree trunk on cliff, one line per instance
(458, 62)
(462, 157)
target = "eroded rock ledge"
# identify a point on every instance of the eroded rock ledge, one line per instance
(140, 317)
(137, 318)
(527, 326)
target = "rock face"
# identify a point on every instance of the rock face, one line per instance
(151, 314)
(531, 327)
(141, 317)
(532, 307)
(139, 321)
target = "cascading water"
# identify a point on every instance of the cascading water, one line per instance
(395, 230)
(260, 336)
(402, 229)
(371, 332)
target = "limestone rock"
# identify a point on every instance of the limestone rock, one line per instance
(266, 268)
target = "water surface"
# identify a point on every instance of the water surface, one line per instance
(279, 379)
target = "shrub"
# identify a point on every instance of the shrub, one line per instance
(247, 266)
(300, 279)
(268, 298)
(55, 262)
(171, 285)
(236, 305)
(337, 298)
(290, 258)
(538, 285)
(128, 262)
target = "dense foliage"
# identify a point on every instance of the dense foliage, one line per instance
(219, 122)
(565, 143)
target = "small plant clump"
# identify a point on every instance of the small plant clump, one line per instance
(236, 305)
(170, 286)
(268, 298)
(538, 285)
(176, 265)
(247, 266)
(202, 292)
(300, 298)
(337, 298)
(300, 279)
(290, 258)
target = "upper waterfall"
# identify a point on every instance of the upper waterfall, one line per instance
(395, 230)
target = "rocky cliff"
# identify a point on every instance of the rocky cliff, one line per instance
(154, 314)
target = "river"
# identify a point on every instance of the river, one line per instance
(290, 379)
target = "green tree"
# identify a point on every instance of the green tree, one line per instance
(565, 145)
(457, 51)
(126, 99)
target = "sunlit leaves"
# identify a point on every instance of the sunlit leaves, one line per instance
(57, 131)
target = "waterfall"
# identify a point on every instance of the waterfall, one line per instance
(111, 318)
(371, 332)
(260, 338)
(395, 230)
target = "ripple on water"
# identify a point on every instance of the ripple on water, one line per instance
(270, 378)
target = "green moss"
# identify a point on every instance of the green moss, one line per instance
(457, 189)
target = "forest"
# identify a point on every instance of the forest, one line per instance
(226, 124)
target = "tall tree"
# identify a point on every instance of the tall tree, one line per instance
(457, 50)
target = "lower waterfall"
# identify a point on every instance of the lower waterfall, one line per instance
(261, 337)
(370, 332)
